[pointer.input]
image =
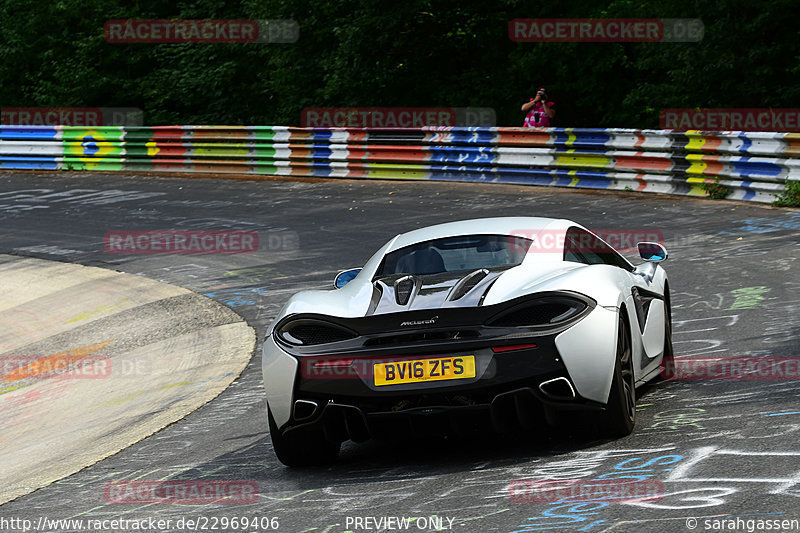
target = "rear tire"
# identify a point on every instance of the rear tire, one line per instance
(306, 447)
(620, 414)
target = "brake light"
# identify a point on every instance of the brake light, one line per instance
(512, 348)
(334, 363)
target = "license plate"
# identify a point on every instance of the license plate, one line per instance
(419, 370)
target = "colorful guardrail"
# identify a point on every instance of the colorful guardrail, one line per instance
(752, 166)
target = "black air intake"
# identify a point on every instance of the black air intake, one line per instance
(307, 332)
(540, 312)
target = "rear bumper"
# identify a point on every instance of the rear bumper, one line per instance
(506, 392)
(511, 390)
(520, 408)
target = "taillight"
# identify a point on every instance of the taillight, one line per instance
(512, 348)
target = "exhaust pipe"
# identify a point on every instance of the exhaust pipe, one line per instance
(304, 409)
(558, 389)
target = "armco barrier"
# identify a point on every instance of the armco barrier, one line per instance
(753, 166)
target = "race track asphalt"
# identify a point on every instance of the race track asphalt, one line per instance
(718, 449)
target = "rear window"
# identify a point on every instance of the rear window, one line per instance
(452, 254)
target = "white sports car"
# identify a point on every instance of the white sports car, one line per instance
(499, 323)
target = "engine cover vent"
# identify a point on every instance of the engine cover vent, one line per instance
(403, 288)
(468, 283)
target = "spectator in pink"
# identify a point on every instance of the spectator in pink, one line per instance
(539, 111)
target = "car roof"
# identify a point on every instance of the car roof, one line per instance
(517, 226)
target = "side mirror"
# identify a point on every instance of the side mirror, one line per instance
(652, 252)
(344, 277)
